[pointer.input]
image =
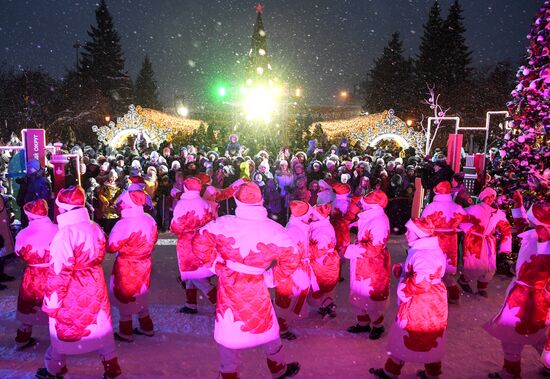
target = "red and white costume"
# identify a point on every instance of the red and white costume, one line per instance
(480, 243)
(76, 298)
(291, 295)
(446, 216)
(32, 245)
(338, 219)
(249, 253)
(324, 258)
(524, 316)
(370, 261)
(133, 239)
(418, 333)
(190, 214)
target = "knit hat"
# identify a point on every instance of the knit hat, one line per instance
(204, 178)
(443, 188)
(376, 197)
(539, 214)
(192, 184)
(71, 197)
(340, 188)
(486, 193)
(133, 199)
(298, 208)
(249, 193)
(422, 227)
(323, 210)
(32, 166)
(36, 209)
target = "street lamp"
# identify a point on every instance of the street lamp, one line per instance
(298, 92)
(409, 122)
(107, 119)
(344, 94)
(182, 110)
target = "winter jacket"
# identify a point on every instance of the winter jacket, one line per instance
(241, 249)
(133, 239)
(32, 245)
(76, 297)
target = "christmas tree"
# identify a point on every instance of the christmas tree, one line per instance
(146, 88)
(102, 62)
(259, 67)
(429, 68)
(525, 148)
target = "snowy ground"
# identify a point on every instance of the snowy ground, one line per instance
(183, 346)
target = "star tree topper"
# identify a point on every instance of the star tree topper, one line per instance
(259, 8)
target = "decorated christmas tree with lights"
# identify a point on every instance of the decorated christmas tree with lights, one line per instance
(259, 67)
(525, 148)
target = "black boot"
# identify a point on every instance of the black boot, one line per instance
(288, 335)
(379, 373)
(292, 369)
(357, 328)
(189, 311)
(329, 310)
(376, 332)
(43, 373)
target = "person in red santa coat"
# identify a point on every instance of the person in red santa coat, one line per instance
(246, 265)
(190, 214)
(370, 266)
(291, 295)
(523, 317)
(480, 243)
(133, 239)
(418, 333)
(446, 216)
(338, 219)
(324, 260)
(76, 298)
(32, 245)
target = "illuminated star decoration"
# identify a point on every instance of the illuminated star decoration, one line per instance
(259, 8)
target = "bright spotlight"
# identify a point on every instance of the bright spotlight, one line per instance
(183, 111)
(260, 103)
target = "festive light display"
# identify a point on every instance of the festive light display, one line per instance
(155, 126)
(369, 129)
(524, 156)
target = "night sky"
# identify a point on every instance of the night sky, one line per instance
(325, 45)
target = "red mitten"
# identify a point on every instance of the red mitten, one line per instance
(397, 270)
(542, 233)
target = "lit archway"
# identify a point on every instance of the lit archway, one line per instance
(123, 134)
(402, 142)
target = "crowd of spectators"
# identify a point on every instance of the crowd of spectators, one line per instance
(283, 176)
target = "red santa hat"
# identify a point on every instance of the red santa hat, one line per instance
(539, 214)
(443, 188)
(323, 210)
(192, 184)
(422, 227)
(249, 193)
(486, 193)
(71, 197)
(340, 188)
(204, 178)
(136, 179)
(298, 208)
(36, 209)
(376, 197)
(133, 199)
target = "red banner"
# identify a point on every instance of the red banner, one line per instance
(454, 150)
(35, 145)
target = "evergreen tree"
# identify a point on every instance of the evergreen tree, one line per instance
(258, 67)
(146, 88)
(429, 68)
(390, 80)
(457, 56)
(526, 148)
(102, 62)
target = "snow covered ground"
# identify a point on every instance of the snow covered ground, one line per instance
(183, 346)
